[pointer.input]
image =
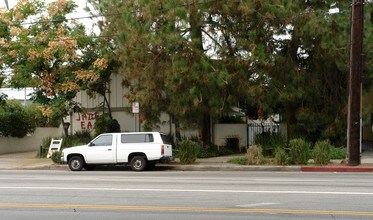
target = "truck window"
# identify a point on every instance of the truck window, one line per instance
(137, 138)
(165, 139)
(104, 140)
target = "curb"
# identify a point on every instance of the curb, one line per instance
(336, 169)
(224, 167)
(219, 167)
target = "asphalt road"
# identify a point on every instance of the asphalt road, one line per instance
(37, 194)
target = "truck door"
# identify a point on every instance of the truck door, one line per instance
(101, 150)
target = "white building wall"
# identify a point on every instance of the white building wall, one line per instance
(28, 143)
(222, 131)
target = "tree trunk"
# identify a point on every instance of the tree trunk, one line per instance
(196, 35)
(206, 129)
(177, 129)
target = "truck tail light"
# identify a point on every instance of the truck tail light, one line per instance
(162, 150)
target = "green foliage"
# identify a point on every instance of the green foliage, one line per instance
(83, 136)
(71, 141)
(56, 157)
(231, 119)
(17, 120)
(206, 152)
(172, 63)
(322, 152)
(338, 153)
(79, 138)
(238, 160)
(255, 155)
(299, 151)
(45, 146)
(104, 124)
(269, 142)
(48, 57)
(188, 151)
(281, 158)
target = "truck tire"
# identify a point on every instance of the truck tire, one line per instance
(138, 163)
(76, 163)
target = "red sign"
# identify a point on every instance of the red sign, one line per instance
(86, 119)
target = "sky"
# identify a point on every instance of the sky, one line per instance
(79, 11)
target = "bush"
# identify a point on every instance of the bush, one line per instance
(321, 152)
(188, 151)
(269, 142)
(299, 151)
(83, 136)
(280, 156)
(45, 146)
(104, 124)
(79, 138)
(206, 151)
(56, 157)
(338, 153)
(255, 155)
(16, 120)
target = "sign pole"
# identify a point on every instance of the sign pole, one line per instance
(136, 111)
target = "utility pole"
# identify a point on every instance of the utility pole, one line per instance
(356, 69)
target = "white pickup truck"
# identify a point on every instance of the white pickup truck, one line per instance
(140, 150)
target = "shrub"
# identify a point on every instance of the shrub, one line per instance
(338, 153)
(206, 151)
(255, 155)
(299, 151)
(16, 120)
(105, 124)
(188, 151)
(70, 141)
(56, 157)
(280, 156)
(79, 138)
(83, 136)
(269, 142)
(45, 146)
(321, 152)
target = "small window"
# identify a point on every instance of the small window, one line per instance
(104, 140)
(136, 138)
(166, 139)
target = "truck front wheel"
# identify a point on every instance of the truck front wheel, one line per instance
(76, 163)
(138, 163)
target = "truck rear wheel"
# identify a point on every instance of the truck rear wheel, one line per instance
(76, 163)
(138, 163)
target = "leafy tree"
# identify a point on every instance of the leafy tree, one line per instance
(196, 59)
(100, 58)
(310, 83)
(170, 68)
(46, 53)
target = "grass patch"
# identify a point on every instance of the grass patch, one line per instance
(238, 160)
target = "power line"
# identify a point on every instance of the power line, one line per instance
(61, 20)
(59, 40)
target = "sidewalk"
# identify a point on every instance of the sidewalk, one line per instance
(29, 160)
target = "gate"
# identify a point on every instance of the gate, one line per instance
(254, 129)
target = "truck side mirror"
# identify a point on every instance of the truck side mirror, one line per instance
(91, 144)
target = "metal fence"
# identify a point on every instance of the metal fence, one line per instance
(254, 129)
